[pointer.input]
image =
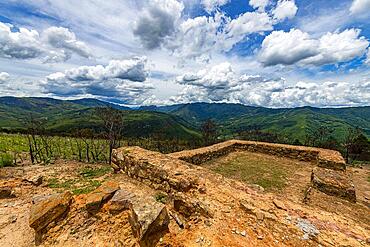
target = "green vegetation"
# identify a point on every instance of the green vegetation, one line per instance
(6, 160)
(161, 197)
(88, 180)
(254, 169)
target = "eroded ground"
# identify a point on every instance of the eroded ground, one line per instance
(278, 215)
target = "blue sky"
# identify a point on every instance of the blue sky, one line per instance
(272, 53)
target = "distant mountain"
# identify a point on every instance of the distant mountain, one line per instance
(64, 116)
(184, 120)
(291, 122)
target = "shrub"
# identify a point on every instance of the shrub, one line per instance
(6, 160)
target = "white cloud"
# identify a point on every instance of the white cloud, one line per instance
(120, 79)
(62, 38)
(158, 22)
(295, 46)
(53, 45)
(285, 9)
(245, 24)
(4, 77)
(212, 5)
(259, 4)
(221, 84)
(287, 48)
(360, 7)
(367, 60)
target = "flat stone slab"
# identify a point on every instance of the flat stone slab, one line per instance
(333, 182)
(96, 199)
(122, 200)
(49, 209)
(148, 219)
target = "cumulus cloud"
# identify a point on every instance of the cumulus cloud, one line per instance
(295, 46)
(158, 22)
(360, 7)
(23, 44)
(4, 77)
(53, 45)
(285, 9)
(221, 84)
(163, 25)
(62, 38)
(247, 23)
(259, 4)
(121, 79)
(212, 5)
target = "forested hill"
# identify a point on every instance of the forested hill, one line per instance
(184, 120)
(66, 116)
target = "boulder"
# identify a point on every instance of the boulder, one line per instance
(97, 198)
(148, 219)
(49, 209)
(122, 200)
(6, 192)
(333, 182)
(35, 180)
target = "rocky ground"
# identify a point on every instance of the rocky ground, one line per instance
(233, 213)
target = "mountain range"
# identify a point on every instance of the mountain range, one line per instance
(183, 120)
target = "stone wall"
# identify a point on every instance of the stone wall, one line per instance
(155, 169)
(323, 157)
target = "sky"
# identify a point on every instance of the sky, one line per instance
(270, 53)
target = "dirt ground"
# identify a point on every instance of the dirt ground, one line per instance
(339, 223)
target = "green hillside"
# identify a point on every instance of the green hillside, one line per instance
(293, 123)
(66, 116)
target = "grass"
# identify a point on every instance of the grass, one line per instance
(251, 168)
(85, 182)
(6, 160)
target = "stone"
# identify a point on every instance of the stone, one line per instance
(148, 220)
(243, 233)
(35, 180)
(309, 230)
(279, 204)
(247, 207)
(97, 198)
(6, 192)
(121, 200)
(334, 182)
(49, 209)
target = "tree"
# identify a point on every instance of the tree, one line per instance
(322, 137)
(349, 143)
(209, 132)
(113, 124)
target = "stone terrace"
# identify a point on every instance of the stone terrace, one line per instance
(323, 157)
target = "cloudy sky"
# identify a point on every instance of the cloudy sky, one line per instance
(272, 53)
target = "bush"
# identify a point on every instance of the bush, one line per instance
(6, 160)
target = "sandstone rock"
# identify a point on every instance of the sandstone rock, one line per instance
(96, 199)
(333, 182)
(309, 230)
(49, 209)
(188, 207)
(148, 220)
(35, 180)
(279, 204)
(6, 192)
(122, 200)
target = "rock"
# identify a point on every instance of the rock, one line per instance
(260, 215)
(148, 220)
(188, 207)
(247, 206)
(49, 209)
(12, 218)
(334, 182)
(279, 204)
(96, 199)
(257, 187)
(35, 180)
(120, 201)
(309, 230)
(243, 233)
(6, 192)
